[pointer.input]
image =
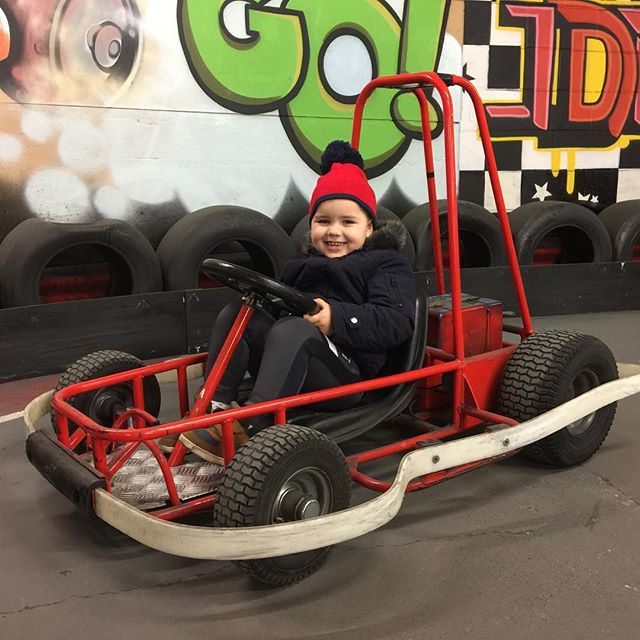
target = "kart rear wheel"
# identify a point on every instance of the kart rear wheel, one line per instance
(548, 369)
(102, 405)
(283, 474)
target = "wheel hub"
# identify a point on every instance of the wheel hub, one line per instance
(584, 381)
(107, 403)
(308, 508)
(305, 494)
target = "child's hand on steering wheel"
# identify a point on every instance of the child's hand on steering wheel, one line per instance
(322, 318)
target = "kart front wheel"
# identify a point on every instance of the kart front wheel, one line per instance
(103, 405)
(550, 368)
(283, 474)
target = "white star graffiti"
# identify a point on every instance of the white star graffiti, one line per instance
(595, 200)
(542, 193)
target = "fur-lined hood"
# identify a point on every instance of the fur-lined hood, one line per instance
(388, 234)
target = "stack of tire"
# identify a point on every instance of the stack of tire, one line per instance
(567, 233)
(547, 233)
(236, 234)
(480, 237)
(42, 262)
(622, 221)
(544, 233)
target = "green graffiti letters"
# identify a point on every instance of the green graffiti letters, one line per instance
(316, 115)
(251, 75)
(422, 37)
(280, 62)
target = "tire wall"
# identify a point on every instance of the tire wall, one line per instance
(558, 137)
(155, 114)
(40, 262)
(144, 111)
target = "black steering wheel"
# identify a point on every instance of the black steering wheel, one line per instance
(248, 281)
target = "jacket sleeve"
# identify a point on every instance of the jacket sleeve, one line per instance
(387, 318)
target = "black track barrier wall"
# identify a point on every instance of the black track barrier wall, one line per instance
(43, 339)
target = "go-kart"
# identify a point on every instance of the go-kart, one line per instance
(282, 499)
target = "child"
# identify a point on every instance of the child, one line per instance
(366, 296)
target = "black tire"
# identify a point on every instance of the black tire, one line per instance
(208, 232)
(287, 218)
(300, 234)
(36, 247)
(558, 233)
(406, 243)
(252, 493)
(100, 404)
(622, 221)
(481, 241)
(550, 368)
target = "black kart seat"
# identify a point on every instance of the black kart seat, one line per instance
(381, 404)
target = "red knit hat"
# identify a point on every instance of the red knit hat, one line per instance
(343, 177)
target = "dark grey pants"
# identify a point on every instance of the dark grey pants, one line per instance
(285, 357)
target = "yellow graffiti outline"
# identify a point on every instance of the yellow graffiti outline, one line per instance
(556, 153)
(621, 3)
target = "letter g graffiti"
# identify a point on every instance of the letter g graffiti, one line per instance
(286, 59)
(252, 74)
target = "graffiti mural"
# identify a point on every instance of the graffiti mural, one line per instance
(281, 57)
(580, 74)
(562, 84)
(145, 110)
(5, 43)
(66, 50)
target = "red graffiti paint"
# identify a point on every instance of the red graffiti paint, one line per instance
(579, 111)
(633, 17)
(5, 36)
(543, 18)
(622, 71)
(544, 43)
(508, 111)
(557, 35)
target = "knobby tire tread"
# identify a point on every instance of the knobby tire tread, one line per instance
(237, 497)
(530, 381)
(86, 368)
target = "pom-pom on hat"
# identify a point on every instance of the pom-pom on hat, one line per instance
(343, 177)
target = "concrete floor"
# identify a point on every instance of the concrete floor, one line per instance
(513, 550)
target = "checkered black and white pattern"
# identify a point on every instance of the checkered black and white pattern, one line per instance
(491, 57)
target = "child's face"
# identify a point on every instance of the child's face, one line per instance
(339, 227)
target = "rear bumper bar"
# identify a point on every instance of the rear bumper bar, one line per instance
(70, 475)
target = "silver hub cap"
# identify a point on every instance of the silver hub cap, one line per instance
(305, 494)
(583, 382)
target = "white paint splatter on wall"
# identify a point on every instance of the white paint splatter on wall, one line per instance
(116, 143)
(58, 195)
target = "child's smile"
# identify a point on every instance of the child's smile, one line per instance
(339, 227)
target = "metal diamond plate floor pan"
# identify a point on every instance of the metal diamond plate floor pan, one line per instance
(141, 484)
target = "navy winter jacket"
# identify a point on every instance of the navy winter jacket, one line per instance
(371, 292)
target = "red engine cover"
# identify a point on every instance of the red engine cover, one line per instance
(481, 320)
